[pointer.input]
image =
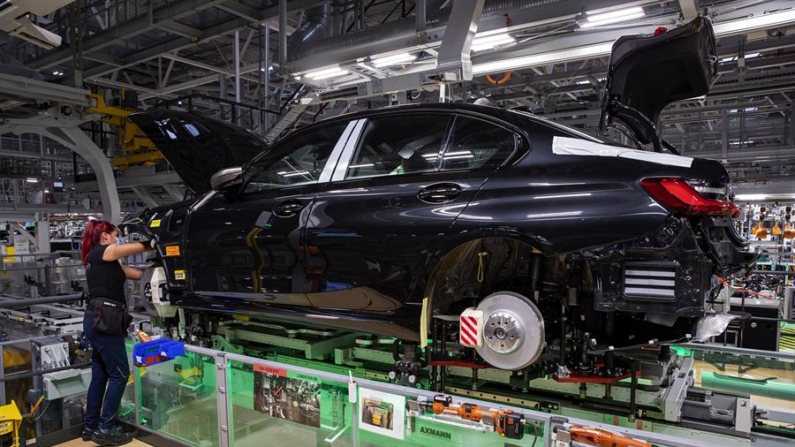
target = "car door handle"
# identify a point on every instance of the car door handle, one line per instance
(440, 193)
(288, 208)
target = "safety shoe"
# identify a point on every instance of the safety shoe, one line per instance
(112, 437)
(87, 434)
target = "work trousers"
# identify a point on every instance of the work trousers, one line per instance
(110, 370)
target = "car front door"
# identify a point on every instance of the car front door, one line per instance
(244, 247)
(401, 182)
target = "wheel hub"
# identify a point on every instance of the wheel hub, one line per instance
(512, 331)
(503, 333)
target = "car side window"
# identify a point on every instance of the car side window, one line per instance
(298, 160)
(396, 145)
(477, 144)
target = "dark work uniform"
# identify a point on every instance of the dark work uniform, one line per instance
(110, 367)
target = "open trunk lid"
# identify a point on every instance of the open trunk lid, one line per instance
(647, 73)
(198, 147)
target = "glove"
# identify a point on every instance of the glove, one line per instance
(149, 244)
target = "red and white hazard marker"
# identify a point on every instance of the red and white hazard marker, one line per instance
(470, 334)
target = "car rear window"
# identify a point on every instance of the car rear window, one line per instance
(398, 145)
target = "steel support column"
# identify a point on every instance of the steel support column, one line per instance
(238, 99)
(457, 42)
(725, 135)
(282, 34)
(43, 236)
(266, 84)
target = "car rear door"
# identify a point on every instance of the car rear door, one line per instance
(401, 182)
(246, 246)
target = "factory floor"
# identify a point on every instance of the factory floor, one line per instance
(80, 443)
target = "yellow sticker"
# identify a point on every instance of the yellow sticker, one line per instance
(154, 224)
(172, 250)
(179, 275)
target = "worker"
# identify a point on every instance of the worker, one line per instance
(105, 325)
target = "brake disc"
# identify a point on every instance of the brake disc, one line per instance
(513, 331)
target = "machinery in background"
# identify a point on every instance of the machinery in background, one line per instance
(137, 147)
(15, 20)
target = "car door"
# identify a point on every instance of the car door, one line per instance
(400, 183)
(246, 245)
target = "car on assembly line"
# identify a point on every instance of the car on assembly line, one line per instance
(380, 221)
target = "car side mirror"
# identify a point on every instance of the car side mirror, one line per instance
(227, 177)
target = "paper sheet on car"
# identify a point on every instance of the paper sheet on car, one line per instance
(576, 146)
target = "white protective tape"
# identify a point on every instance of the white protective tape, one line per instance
(576, 146)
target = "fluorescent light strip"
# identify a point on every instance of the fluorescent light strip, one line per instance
(393, 60)
(619, 14)
(749, 197)
(754, 23)
(335, 74)
(592, 23)
(327, 73)
(596, 50)
(456, 157)
(366, 165)
(493, 40)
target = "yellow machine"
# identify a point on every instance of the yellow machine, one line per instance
(137, 147)
(10, 420)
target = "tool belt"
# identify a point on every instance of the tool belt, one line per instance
(109, 316)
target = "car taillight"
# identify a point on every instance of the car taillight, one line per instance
(679, 196)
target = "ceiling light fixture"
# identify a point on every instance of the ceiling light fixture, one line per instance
(386, 61)
(749, 197)
(326, 73)
(578, 53)
(480, 43)
(613, 17)
(754, 23)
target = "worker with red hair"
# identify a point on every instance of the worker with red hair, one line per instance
(105, 325)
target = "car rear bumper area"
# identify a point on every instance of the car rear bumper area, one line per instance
(669, 273)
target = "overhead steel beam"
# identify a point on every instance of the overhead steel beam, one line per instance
(462, 26)
(128, 29)
(179, 29)
(184, 42)
(240, 10)
(38, 91)
(175, 192)
(689, 9)
(146, 197)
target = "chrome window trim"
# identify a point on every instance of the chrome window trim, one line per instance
(334, 157)
(350, 146)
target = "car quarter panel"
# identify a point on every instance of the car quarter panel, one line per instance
(564, 203)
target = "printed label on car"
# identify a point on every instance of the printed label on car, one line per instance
(154, 224)
(172, 250)
(179, 275)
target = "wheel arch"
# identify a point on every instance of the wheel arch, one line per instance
(455, 251)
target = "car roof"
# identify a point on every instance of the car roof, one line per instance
(519, 119)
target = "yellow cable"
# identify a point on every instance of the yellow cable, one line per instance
(481, 266)
(35, 407)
